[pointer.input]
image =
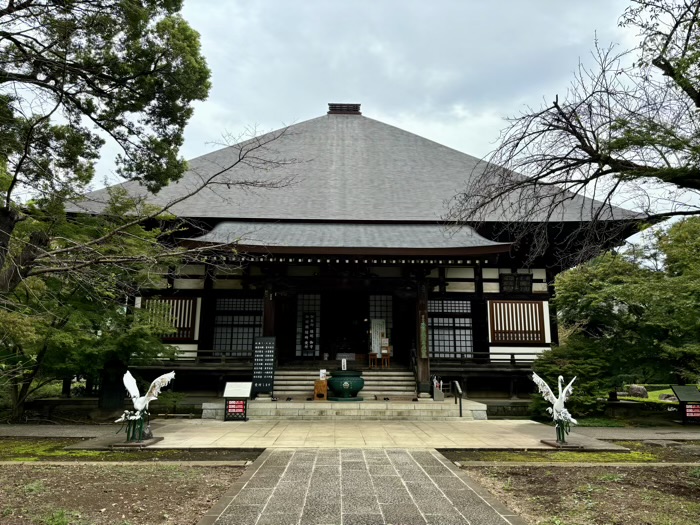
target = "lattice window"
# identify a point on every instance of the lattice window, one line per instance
(308, 325)
(517, 321)
(449, 306)
(237, 322)
(450, 329)
(240, 303)
(382, 307)
(176, 312)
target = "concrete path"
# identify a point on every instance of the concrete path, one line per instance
(356, 487)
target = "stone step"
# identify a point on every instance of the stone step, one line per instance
(365, 375)
(373, 371)
(372, 410)
(367, 388)
(368, 380)
(379, 383)
(373, 386)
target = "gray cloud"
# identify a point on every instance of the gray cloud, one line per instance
(447, 69)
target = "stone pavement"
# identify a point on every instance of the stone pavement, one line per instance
(198, 433)
(502, 434)
(356, 487)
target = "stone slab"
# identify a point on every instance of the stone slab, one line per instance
(348, 488)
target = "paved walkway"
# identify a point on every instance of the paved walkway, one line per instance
(198, 433)
(505, 434)
(356, 487)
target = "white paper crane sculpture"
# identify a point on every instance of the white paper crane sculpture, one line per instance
(562, 419)
(134, 418)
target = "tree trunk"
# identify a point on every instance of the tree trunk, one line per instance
(8, 220)
(65, 387)
(15, 273)
(112, 390)
(16, 403)
(89, 386)
(17, 412)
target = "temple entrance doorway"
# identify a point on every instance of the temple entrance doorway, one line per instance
(345, 327)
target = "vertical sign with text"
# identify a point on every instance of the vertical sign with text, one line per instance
(263, 365)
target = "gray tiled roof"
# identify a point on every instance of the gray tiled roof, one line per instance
(347, 167)
(341, 236)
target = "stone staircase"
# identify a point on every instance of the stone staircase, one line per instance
(392, 383)
(364, 410)
(388, 394)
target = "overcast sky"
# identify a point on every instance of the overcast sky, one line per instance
(448, 70)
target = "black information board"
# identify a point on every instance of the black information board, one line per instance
(686, 393)
(689, 400)
(263, 365)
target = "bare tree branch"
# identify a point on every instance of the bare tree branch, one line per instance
(606, 154)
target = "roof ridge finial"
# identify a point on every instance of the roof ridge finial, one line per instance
(343, 108)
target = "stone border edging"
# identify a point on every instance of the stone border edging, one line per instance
(220, 506)
(232, 463)
(569, 464)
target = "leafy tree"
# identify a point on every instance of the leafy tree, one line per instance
(580, 357)
(635, 315)
(626, 131)
(72, 73)
(62, 324)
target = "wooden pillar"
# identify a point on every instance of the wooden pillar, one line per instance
(268, 329)
(480, 322)
(423, 350)
(207, 312)
(553, 325)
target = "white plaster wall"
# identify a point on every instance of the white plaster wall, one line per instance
(227, 284)
(491, 287)
(186, 352)
(539, 273)
(227, 270)
(188, 284)
(524, 353)
(547, 327)
(490, 273)
(461, 287)
(196, 319)
(460, 273)
(191, 269)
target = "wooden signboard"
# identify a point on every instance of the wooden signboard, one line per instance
(263, 365)
(236, 401)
